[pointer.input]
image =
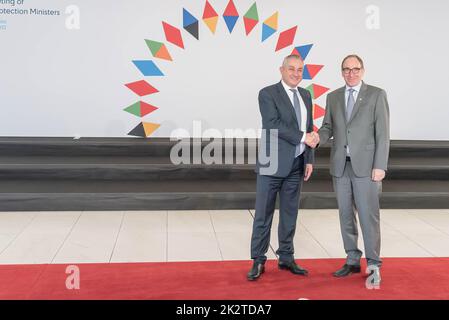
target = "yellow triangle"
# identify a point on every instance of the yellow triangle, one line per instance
(150, 128)
(272, 21)
(211, 23)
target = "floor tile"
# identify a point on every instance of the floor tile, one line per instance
(193, 246)
(41, 239)
(92, 239)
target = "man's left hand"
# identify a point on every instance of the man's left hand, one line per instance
(308, 173)
(378, 175)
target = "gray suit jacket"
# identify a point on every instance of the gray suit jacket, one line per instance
(278, 113)
(367, 133)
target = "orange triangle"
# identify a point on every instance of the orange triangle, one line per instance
(272, 21)
(163, 53)
(211, 23)
(150, 127)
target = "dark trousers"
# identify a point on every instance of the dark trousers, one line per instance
(268, 187)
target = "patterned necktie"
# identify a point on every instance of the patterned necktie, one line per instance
(297, 108)
(350, 104)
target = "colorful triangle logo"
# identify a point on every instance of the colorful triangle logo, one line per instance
(311, 70)
(190, 24)
(251, 18)
(286, 38)
(269, 26)
(316, 90)
(140, 109)
(249, 24)
(211, 23)
(302, 51)
(144, 129)
(318, 112)
(158, 50)
(230, 22)
(209, 11)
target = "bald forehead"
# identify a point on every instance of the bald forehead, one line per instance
(352, 62)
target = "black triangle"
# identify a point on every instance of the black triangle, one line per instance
(193, 30)
(138, 131)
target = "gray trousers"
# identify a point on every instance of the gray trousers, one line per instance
(267, 189)
(359, 194)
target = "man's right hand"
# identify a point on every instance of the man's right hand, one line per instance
(312, 139)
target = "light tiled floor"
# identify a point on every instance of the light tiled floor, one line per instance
(150, 236)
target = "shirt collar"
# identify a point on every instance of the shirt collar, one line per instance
(286, 87)
(356, 88)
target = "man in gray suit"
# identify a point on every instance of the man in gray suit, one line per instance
(286, 111)
(357, 117)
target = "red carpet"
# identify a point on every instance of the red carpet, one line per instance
(402, 278)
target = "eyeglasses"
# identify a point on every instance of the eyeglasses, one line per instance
(353, 70)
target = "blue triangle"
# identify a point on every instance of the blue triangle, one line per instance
(306, 74)
(267, 32)
(304, 50)
(148, 68)
(230, 22)
(187, 18)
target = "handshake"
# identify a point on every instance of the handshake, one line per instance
(312, 139)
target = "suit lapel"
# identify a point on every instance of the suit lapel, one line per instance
(360, 98)
(286, 100)
(308, 107)
(342, 103)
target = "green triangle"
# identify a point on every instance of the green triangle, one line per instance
(134, 109)
(154, 46)
(252, 13)
(310, 89)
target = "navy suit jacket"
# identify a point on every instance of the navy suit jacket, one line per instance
(278, 113)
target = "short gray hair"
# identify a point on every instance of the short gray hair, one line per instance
(287, 58)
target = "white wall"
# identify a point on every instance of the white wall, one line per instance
(60, 82)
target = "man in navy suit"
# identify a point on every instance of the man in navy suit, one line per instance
(287, 122)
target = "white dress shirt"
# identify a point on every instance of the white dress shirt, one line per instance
(303, 119)
(355, 94)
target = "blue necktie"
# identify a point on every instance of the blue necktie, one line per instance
(350, 104)
(297, 108)
(349, 107)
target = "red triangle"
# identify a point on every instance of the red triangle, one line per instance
(314, 69)
(318, 112)
(173, 35)
(296, 52)
(230, 10)
(141, 88)
(209, 12)
(286, 38)
(318, 91)
(146, 108)
(249, 24)
(315, 128)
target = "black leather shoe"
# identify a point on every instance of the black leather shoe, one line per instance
(256, 271)
(293, 267)
(346, 270)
